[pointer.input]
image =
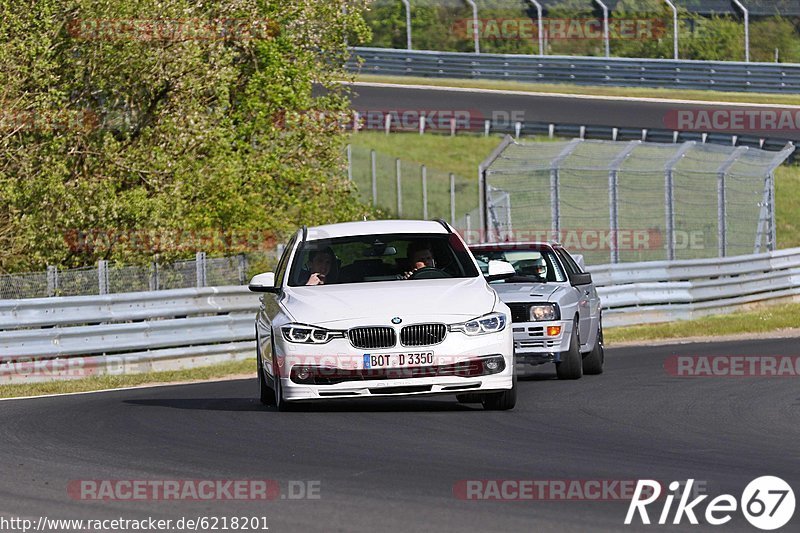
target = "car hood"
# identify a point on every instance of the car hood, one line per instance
(375, 303)
(525, 292)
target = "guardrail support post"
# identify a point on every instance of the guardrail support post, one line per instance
(52, 280)
(242, 269)
(102, 277)
(155, 280)
(200, 268)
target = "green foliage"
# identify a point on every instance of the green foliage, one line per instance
(130, 131)
(443, 26)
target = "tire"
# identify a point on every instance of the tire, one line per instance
(593, 362)
(503, 400)
(571, 364)
(265, 392)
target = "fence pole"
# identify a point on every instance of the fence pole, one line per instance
(538, 7)
(408, 23)
(772, 245)
(102, 277)
(374, 177)
(674, 28)
(746, 30)
(722, 215)
(613, 197)
(475, 33)
(242, 269)
(605, 27)
(399, 189)
(155, 280)
(349, 162)
(669, 196)
(200, 268)
(424, 193)
(52, 280)
(452, 199)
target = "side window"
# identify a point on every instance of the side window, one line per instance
(280, 272)
(569, 264)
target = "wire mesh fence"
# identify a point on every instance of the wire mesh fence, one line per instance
(413, 191)
(107, 278)
(634, 201)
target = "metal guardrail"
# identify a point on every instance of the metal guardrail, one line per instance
(625, 72)
(51, 338)
(79, 336)
(661, 291)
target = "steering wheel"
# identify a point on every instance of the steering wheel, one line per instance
(429, 273)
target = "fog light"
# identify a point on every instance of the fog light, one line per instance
(553, 331)
(491, 365)
(303, 373)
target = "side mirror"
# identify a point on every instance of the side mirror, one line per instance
(583, 278)
(264, 283)
(499, 270)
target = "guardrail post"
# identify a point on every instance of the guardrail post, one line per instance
(374, 177)
(517, 129)
(772, 245)
(399, 188)
(487, 124)
(424, 172)
(422, 124)
(387, 123)
(356, 121)
(452, 199)
(102, 277)
(52, 280)
(200, 268)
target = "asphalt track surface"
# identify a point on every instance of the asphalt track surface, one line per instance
(564, 109)
(391, 464)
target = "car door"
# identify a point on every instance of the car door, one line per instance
(269, 307)
(586, 295)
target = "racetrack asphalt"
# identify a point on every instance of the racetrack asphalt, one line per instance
(558, 109)
(391, 464)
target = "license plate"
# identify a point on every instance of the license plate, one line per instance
(397, 360)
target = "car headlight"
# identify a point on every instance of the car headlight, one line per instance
(305, 334)
(491, 323)
(542, 312)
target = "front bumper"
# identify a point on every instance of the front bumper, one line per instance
(533, 345)
(456, 368)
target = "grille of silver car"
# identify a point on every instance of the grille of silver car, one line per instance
(422, 334)
(373, 337)
(520, 312)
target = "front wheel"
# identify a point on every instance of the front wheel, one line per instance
(593, 362)
(571, 364)
(503, 400)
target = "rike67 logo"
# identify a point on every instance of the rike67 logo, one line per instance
(767, 503)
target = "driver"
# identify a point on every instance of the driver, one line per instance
(540, 268)
(319, 268)
(419, 256)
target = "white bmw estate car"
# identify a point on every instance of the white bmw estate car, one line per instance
(382, 308)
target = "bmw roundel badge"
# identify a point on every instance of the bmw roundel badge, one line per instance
(396, 320)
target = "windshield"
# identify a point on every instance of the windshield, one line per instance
(534, 265)
(381, 257)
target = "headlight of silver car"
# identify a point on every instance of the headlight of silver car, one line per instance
(305, 334)
(491, 323)
(542, 312)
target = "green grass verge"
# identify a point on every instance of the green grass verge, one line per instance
(771, 318)
(62, 386)
(677, 94)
